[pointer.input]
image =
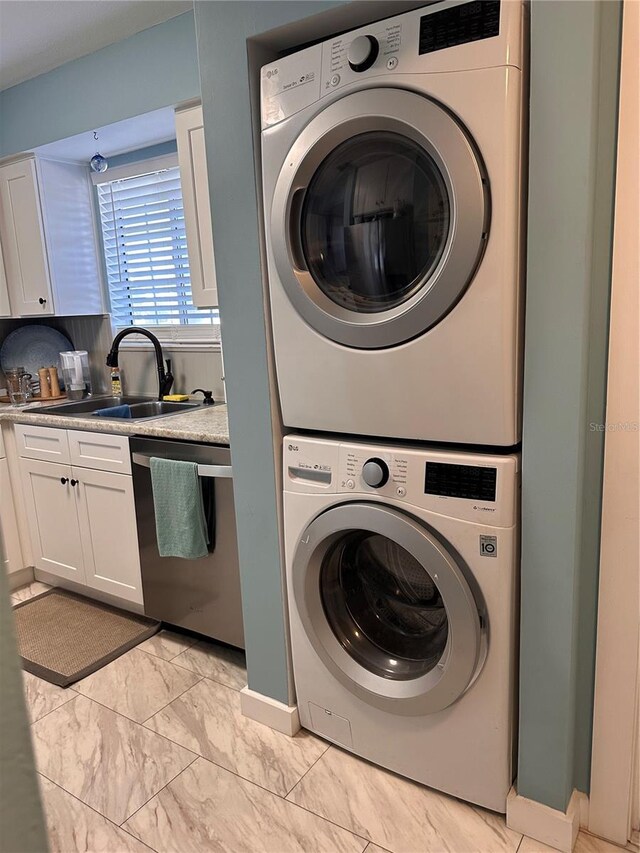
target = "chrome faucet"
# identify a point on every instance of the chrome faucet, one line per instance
(165, 379)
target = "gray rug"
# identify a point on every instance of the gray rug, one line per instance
(64, 637)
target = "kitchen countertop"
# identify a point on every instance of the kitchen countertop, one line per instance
(208, 424)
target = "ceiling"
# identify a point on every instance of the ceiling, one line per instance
(38, 35)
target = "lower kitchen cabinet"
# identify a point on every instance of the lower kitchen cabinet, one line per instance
(8, 523)
(52, 508)
(83, 526)
(107, 519)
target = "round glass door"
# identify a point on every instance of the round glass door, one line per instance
(383, 606)
(375, 221)
(379, 217)
(387, 608)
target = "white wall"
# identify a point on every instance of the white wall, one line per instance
(615, 719)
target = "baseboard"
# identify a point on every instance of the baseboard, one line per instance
(550, 826)
(583, 808)
(20, 578)
(283, 718)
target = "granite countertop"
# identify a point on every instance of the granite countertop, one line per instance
(207, 424)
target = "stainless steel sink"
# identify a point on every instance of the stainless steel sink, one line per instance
(141, 407)
(155, 408)
(82, 408)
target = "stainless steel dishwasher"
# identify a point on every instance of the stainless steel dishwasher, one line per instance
(201, 595)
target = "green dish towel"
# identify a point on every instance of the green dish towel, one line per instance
(177, 498)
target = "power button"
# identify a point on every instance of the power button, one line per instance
(351, 484)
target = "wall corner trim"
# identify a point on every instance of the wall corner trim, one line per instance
(263, 709)
(550, 826)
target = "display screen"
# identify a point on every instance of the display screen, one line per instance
(473, 482)
(459, 25)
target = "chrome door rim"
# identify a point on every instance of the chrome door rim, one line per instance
(445, 141)
(448, 680)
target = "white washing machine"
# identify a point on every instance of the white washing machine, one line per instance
(402, 580)
(392, 172)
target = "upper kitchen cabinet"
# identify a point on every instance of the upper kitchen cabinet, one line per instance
(48, 239)
(197, 210)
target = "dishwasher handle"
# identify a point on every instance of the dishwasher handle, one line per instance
(203, 470)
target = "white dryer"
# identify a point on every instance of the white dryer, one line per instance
(402, 581)
(392, 174)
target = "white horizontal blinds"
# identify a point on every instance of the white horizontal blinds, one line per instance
(145, 250)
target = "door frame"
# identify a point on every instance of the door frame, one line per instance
(615, 717)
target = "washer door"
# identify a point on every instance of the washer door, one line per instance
(379, 218)
(387, 608)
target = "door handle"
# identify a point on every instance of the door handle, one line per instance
(215, 471)
(295, 213)
(64, 480)
(74, 482)
(42, 301)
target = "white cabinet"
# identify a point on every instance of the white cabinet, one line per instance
(22, 231)
(83, 522)
(197, 209)
(48, 239)
(51, 506)
(106, 513)
(5, 305)
(8, 522)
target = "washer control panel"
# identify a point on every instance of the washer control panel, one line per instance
(477, 487)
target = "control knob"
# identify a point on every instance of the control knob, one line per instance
(375, 472)
(363, 52)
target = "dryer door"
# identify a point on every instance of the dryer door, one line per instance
(379, 218)
(387, 607)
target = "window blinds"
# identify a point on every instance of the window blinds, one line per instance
(145, 250)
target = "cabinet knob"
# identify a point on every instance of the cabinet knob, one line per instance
(75, 482)
(42, 301)
(64, 480)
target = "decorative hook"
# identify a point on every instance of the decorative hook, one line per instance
(95, 135)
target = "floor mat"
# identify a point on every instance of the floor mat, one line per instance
(64, 637)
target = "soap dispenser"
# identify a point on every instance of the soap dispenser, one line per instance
(116, 381)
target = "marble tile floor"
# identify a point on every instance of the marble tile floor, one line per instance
(152, 753)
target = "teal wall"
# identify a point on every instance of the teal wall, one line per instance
(222, 30)
(574, 83)
(149, 70)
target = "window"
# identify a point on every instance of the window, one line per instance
(145, 251)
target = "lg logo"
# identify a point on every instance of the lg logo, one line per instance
(294, 448)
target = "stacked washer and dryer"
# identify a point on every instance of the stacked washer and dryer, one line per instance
(392, 162)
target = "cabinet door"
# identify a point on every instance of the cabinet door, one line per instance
(8, 524)
(51, 509)
(5, 307)
(197, 209)
(108, 530)
(23, 244)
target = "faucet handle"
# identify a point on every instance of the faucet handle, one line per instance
(208, 396)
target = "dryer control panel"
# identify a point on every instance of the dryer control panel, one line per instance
(452, 35)
(473, 486)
